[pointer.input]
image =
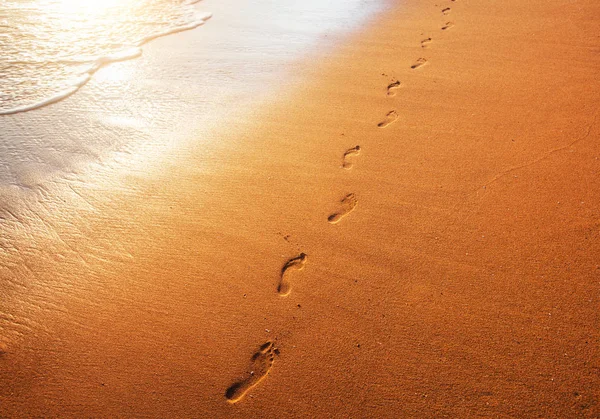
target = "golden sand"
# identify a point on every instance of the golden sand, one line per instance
(433, 184)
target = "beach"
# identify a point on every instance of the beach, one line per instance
(397, 220)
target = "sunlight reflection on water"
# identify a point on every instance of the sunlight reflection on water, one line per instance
(49, 48)
(182, 89)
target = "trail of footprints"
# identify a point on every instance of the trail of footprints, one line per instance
(262, 361)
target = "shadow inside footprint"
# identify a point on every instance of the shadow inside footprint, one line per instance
(391, 89)
(297, 263)
(260, 365)
(390, 117)
(347, 164)
(348, 204)
(448, 25)
(419, 63)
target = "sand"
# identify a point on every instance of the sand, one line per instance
(410, 229)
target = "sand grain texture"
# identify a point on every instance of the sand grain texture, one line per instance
(463, 284)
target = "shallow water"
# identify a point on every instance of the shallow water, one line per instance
(50, 48)
(132, 113)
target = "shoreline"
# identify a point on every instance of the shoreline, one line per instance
(206, 72)
(445, 267)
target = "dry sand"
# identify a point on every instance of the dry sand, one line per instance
(350, 250)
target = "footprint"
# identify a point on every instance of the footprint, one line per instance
(389, 118)
(420, 62)
(260, 365)
(448, 25)
(296, 263)
(425, 42)
(391, 89)
(348, 204)
(349, 153)
(446, 11)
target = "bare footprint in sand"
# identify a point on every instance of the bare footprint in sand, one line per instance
(391, 89)
(347, 163)
(296, 263)
(446, 11)
(390, 117)
(448, 25)
(426, 42)
(260, 365)
(348, 204)
(419, 63)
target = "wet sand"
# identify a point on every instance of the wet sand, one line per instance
(411, 231)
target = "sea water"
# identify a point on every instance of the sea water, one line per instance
(50, 48)
(82, 89)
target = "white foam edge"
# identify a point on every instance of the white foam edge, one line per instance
(127, 54)
(52, 99)
(201, 18)
(99, 62)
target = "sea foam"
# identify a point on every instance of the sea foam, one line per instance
(48, 54)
